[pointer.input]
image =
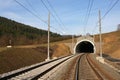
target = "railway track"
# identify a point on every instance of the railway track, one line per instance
(34, 73)
(87, 69)
(81, 65)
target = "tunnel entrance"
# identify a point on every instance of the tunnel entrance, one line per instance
(84, 47)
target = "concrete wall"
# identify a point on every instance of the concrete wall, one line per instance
(88, 38)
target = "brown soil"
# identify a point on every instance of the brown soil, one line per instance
(111, 43)
(17, 57)
(60, 50)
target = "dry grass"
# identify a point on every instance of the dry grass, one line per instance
(111, 44)
(60, 50)
(3, 48)
(15, 58)
(21, 56)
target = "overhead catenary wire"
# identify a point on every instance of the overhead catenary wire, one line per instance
(86, 16)
(107, 12)
(38, 17)
(31, 7)
(110, 9)
(94, 29)
(89, 8)
(109, 4)
(50, 12)
(87, 11)
(30, 12)
(57, 30)
(56, 14)
(37, 13)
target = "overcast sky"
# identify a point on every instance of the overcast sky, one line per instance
(75, 16)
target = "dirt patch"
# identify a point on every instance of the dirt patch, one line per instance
(15, 58)
(60, 50)
(116, 54)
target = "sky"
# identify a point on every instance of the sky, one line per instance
(67, 17)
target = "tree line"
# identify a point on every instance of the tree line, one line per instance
(21, 34)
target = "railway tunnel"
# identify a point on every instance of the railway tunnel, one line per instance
(84, 46)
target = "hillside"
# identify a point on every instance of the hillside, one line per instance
(111, 43)
(12, 32)
(17, 57)
(28, 45)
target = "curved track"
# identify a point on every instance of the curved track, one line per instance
(83, 66)
(88, 69)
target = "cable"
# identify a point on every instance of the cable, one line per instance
(90, 4)
(56, 29)
(30, 12)
(109, 4)
(86, 17)
(94, 29)
(110, 9)
(87, 10)
(50, 12)
(34, 14)
(31, 6)
(90, 10)
(56, 13)
(45, 6)
(107, 12)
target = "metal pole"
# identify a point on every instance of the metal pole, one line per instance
(100, 34)
(48, 58)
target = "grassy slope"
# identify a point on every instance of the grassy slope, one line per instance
(60, 50)
(21, 56)
(111, 44)
(15, 58)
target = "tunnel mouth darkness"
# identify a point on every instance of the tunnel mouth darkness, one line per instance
(84, 47)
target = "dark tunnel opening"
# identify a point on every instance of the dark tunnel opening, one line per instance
(85, 47)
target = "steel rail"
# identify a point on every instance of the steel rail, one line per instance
(99, 76)
(28, 69)
(100, 73)
(77, 68)
(49, 69)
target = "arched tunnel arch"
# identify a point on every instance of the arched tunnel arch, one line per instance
(84, 46)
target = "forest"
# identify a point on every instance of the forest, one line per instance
(15, 33)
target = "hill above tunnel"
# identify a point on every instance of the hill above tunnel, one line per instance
(111, 43)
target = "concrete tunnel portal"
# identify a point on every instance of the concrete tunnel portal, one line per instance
(84, 46)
